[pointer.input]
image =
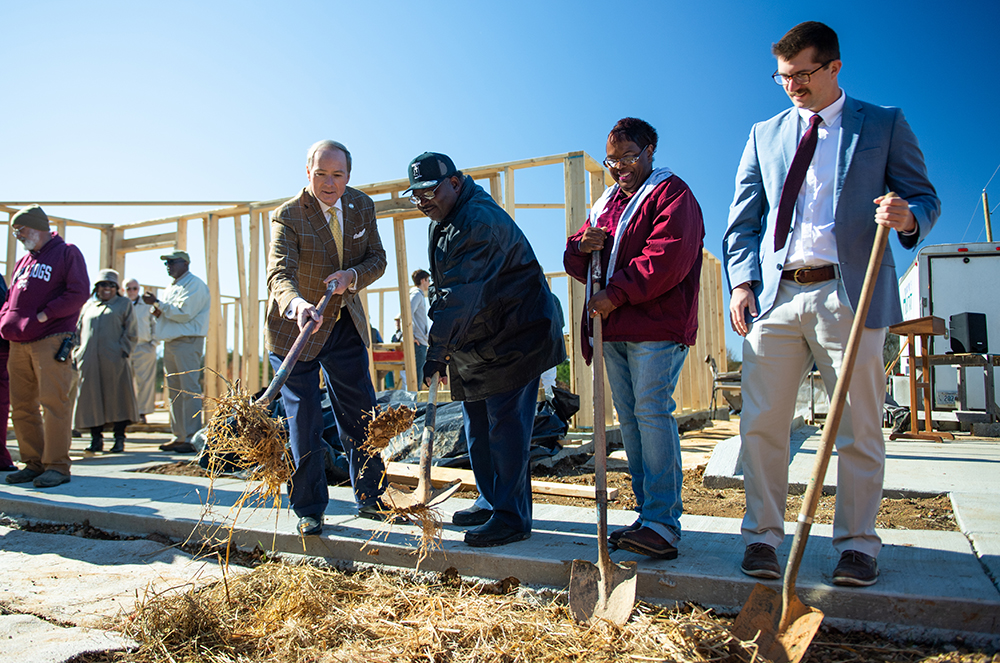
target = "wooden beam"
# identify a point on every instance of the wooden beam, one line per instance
(160, 241)
(508, 192)
(581, 375)
(405, 315)
(407, 474)
(252, 349)
(214, 349)
(243, 309)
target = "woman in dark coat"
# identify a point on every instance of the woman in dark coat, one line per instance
(107, 331)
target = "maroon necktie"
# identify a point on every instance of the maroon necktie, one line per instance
(793, 181)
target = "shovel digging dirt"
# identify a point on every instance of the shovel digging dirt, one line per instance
(424, 496)
(605, 591)
(781, 623)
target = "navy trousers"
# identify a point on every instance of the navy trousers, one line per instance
(498, 430)
(344, 362)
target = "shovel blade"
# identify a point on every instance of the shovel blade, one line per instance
(594, 595)
(761, 617)
(402, 498)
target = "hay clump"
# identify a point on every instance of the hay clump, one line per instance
(284, 613)
(385, 425)
(244, 434)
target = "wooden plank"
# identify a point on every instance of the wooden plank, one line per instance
(251, 351)
(581, 376)
(160, 241)
(242, 311)
(405, 315)
(406, 474)
(508, 192)
(213, 348)
(496, 191)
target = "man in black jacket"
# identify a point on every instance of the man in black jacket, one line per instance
(494, 325)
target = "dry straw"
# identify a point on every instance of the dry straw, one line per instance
(289, 613)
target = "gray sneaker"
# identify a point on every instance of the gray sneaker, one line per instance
(22, 476)
(50, 479)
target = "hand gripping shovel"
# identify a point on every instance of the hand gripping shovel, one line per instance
(605, 591)
(281, 375)
(402, 499)
(783, 625)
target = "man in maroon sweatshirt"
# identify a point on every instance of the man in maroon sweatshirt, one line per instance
(47, 290)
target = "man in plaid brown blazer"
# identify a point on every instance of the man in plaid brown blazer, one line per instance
(328, 232)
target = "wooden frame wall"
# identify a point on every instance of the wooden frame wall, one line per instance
(583, 177)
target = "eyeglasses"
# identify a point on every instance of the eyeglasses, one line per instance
(131, 287)
(16, 230)
(801, 78)
(107, 284)
(424, 196)
(624, 161)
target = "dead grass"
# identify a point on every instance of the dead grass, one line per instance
(290, 613)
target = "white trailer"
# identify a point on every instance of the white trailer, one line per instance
(943, 280)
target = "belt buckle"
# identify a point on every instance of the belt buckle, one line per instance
(795, 275)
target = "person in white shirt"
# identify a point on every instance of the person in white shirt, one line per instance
(418, 313)
(182, 324)
(796, 261)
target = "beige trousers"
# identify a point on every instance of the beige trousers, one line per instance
(41, 408)
(811, 323)
(144, 369)
(182, 364)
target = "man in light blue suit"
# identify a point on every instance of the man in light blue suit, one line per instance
(794, 290)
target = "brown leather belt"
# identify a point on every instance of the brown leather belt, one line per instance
(814, 275)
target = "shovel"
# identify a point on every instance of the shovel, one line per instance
(782, 624)
(423, 495)
(281, 375)
(605, 591)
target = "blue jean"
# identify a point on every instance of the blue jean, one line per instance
(420, 357)
(643, 376)
(498, 430)
(344, 362)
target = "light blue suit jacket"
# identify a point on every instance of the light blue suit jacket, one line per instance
(877, 153)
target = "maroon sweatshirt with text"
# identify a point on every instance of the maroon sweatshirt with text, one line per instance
(52, 279)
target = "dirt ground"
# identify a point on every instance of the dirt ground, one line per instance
(910, 513)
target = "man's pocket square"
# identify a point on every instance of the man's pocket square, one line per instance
(360, 233)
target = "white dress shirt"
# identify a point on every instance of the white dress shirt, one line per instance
(328, 212)
(812, 242)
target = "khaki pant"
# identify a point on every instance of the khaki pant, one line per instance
(182, 364)
(811, 323)
(41, 407)
(144, 369)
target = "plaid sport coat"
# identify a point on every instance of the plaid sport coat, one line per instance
(303, 253)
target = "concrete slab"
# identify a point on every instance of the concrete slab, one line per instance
(28, 638)
(86, 582)
(978, 517)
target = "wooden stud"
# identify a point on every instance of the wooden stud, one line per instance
(405, 315)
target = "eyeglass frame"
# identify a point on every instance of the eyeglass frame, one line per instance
(783, 80)
(617, 163)
(416, 198)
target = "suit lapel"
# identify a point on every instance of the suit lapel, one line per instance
(789, 141)
(851, 119)
(350, 225)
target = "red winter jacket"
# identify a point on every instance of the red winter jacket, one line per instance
(655, 280)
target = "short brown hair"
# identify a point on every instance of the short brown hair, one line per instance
(804, 35)
(636, 131)
(419, 276)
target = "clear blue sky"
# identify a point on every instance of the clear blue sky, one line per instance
(219, 100)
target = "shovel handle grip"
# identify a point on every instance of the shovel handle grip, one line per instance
(281, 375)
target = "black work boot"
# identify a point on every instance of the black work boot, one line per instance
(96, 444)
(119, 445)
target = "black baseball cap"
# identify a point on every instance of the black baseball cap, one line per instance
(428, 169)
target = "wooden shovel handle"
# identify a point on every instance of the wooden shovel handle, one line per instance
(829, 436)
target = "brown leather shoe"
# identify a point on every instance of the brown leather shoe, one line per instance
(647, 542)
(617, 534)
(855, 569)
(760, 561)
